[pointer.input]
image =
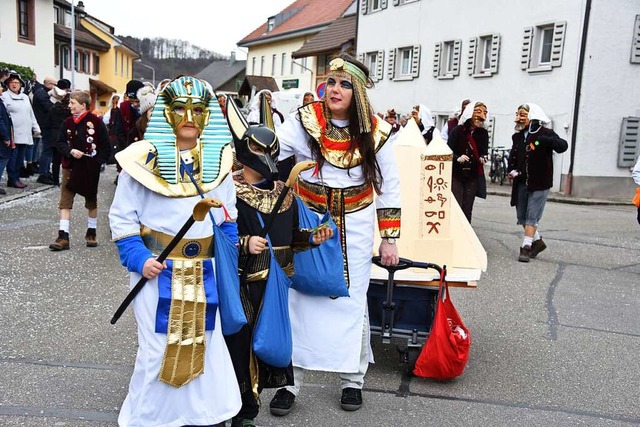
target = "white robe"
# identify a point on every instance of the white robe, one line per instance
(327, 333)
(213, 396)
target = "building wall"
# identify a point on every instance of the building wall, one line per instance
(611, 89)
(306, 78)
(116, 78)
(608, 94)
(39, 56)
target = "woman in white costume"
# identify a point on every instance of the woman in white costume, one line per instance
(183, 374)
(353, 149)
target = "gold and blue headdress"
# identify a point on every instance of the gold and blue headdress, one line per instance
(187, 98)
(360, 80)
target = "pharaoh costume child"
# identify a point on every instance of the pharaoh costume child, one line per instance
(183, 373)
(286, 237)
(333, 334)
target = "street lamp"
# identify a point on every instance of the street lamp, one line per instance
(73, 39)
(153, 70)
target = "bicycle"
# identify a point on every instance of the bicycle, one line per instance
(499, 165)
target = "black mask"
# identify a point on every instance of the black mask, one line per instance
(256, 146)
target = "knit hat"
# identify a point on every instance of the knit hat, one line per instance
(64, 84)
(132, 88)
(147, 97)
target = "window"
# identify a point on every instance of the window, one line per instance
(127, 61)
(629, 148)
(58, 15)
(303, 64)
(369, 6)
(84, 62)
(262, 65)
(483, 55)
(66, 58)
(26, 21)
(374, 61)
(404, 63)
(67, 18)
(446, 59)
(283, 65)
(635, 44)
(121, 64)
(542, 47)
(293, 63)
(271, 23)
(76, 60)
(253, 66)
(273, 64)
(96, 64)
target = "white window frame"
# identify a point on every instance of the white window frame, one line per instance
(283, 65)
(399, 59)
(271, 24)
(273, 64)
(303, 65)
(262, 65)
(533, 47)
(371, 6)
(371, 61)
(545, 40)
(403, 2)
(253, 66)
(446, 59)
(293, 64)
(484, 55)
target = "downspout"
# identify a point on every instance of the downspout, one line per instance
(576, 103)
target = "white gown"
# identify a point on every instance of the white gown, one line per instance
(212, 397)
(327, 333)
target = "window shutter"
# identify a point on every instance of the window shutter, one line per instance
(415, 61)
(489, 124)
(635, 45)
(629, 148)
(361, 57)
(557, 47)
(380, 65)
(527, 39)
(436, 59)
(457, 47)
(471, 58)
(396, 2)
(391, 70)
(495, 53)
(383, 4)
(364, 6)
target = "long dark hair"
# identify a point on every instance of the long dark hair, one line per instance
(362, 141)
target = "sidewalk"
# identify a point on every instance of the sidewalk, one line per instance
(505, 190)
(17, 193)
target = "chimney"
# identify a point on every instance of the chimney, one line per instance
(232, 57)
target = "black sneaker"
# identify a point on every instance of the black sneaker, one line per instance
(525, 254)
(537, 247)
(351, 399)
(282, 402)
(45, 179)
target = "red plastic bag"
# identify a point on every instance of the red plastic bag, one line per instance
(446, 352)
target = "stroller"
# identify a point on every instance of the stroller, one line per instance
(402, 310)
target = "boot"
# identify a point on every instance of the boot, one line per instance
(46, 179)
(61, 243)
(525, 254)
(91, 238)
(16, 184)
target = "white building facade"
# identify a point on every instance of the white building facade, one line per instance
(439, 52)
(26, 36)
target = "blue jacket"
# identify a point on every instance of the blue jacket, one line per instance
(5, 124)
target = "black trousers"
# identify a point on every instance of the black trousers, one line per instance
(465, 193)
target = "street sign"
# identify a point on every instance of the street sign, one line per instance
(290, 84)
(320, 89)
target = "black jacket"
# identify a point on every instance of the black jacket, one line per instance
(460, 145)
(5, 124)
(41, 103)
(533, 157)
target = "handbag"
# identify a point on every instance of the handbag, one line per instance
(232, 315)
(272, 340)
(316, 271)
(446, 352)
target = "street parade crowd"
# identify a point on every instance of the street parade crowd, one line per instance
(216, 320)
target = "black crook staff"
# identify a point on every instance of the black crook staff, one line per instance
(199, 213)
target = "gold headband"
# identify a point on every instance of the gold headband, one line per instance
(340, 64)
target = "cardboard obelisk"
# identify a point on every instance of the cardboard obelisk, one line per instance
(433, 227)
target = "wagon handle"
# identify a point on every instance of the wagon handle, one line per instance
(403, 263)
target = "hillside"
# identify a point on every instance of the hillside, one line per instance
(169, 57)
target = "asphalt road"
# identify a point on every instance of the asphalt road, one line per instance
(555, 341)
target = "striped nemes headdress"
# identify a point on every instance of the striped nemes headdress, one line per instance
(214, 135)
(360, 81)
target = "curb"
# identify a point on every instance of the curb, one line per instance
(26, 193)
(555, 197)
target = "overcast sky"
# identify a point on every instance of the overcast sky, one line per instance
(216, 25)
